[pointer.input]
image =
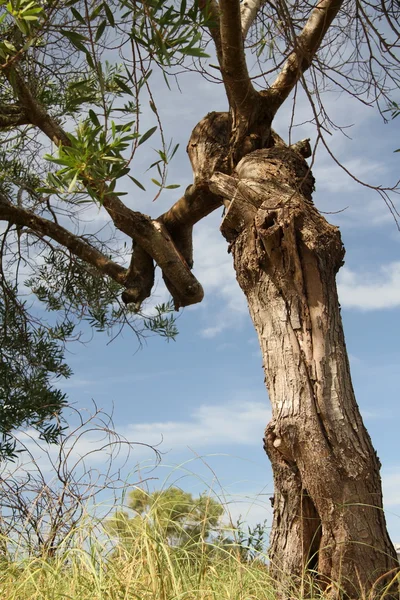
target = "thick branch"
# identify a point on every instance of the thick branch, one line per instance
(76, 245)
(155, 239)
(140, 277)
(36, 113)
(151, 235)
(241, 94)
(197, 203)
(306, 46)
(213, 12)
(12, 115)
(248, 13)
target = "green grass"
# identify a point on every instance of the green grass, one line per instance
(94, 568)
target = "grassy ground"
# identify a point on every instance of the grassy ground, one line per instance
(149, 569)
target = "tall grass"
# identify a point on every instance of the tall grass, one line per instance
(93, 567)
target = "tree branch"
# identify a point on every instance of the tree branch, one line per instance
(152, 235)
(305, 47)
(240, 91)
(75, 244)
(12, 115)
(248, 13)
(140, 277)
(212, 9)
(34, 111)
(154, 238)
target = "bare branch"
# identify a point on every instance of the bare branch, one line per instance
(240, 91)
(154, 238)
(12, 115)
(213, 11)
(140, 277)
(305, 47)
(248, 14)
(76, 245)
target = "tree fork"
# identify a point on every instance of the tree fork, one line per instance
(328, 499)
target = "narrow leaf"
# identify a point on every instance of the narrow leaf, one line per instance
(122, 85)
(147, 135)
(94, 118)
(100, 30)
(109, 14)
(136, 182)
(78, 16)
(73, 182)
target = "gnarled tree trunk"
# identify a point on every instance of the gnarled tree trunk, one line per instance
(328, 503)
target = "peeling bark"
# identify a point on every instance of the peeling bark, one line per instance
(328, 503)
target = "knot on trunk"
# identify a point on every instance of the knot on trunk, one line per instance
(279, 163)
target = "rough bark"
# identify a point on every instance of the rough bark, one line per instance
(328, 503)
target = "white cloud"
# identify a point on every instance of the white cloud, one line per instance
(91, 450)
(370, 291)
(391, 487)
(330, 177)
(210, 425)
(214, 269)
(251, 508)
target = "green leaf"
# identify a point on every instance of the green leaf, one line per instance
(122, 86)
(183, 8)
(45, 190)
(136, 182)
(109, 14)
(73, 36)
(123, 172)
(95, 13)
(93, 117)
(147, 135)
(195, 52)
(156, 182)
(9, 46)
(173, 186)
(100, 30)
(89, 60)
(73, 182)
(78, 16)
(174, 152)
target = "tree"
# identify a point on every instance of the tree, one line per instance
(171, 513)
(328, 503)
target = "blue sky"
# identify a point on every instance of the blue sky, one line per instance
(203, 396)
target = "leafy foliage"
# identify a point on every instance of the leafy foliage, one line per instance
(247, 542)
(101, 97)
(31, 357)
(172, 513)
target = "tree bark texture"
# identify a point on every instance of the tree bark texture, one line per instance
(328, 515)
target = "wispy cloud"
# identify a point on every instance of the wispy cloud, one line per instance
(214, 269)
(370, 291)
(391, 486)
(209, 425)
(332, 178)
